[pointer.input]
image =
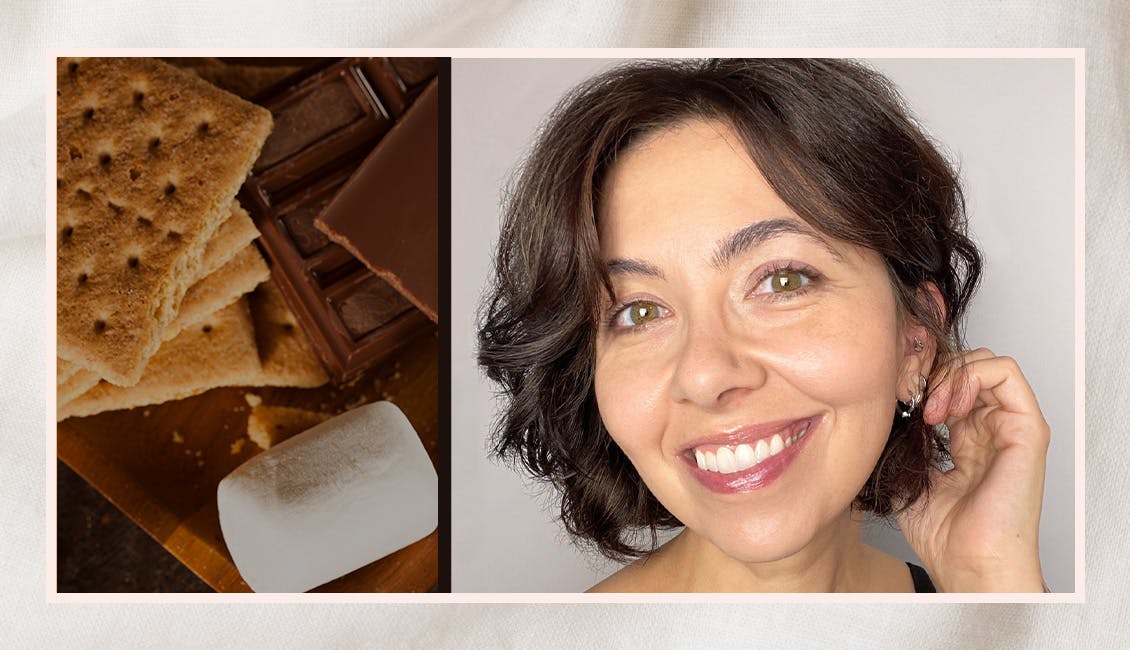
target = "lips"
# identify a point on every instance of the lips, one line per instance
(748, 458)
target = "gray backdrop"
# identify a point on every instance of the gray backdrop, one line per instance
(1009, 126)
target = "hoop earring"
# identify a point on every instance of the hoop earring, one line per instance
(905, 410)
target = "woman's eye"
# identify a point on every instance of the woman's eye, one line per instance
(784, 281)
(637, 313)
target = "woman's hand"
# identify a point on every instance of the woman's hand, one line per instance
(977, 529)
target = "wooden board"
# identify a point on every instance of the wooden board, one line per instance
(161, 464)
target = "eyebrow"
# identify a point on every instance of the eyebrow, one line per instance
(760, 232)
(620, 266)
(731, 247)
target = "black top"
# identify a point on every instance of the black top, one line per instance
(922, 582)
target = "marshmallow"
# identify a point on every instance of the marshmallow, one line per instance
(330, 500)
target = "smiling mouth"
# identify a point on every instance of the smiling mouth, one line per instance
(741, 456)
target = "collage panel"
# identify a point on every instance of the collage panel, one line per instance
(248, 317)
(700, 308)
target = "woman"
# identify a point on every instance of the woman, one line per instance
(728, 297)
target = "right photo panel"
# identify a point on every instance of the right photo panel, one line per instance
(763, 325)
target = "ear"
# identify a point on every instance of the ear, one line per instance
(919, 347)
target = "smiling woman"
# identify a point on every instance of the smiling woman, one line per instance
(767, 268)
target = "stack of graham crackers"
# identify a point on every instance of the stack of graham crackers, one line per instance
(162, 293)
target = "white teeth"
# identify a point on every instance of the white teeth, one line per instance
(776, 445)
(744, 457)
(727, 460)
(762, 450)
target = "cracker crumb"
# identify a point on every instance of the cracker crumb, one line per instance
(145, 413)
(237, 446)
(177, 438)
(200, 463)
(396, 375)
(385, 396)
(253, 400)
(199, 453)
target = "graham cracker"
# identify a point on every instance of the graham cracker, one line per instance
(233, 235)
(254, 342)
(149, 158)
(76, 385)
(230, 239)
(269, 425)
(64, 370)
(223, 287)
(245, 80)
(219, 352)
(287, 356)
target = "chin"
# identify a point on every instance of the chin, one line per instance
(761, 541)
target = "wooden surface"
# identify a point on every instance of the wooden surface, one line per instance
(161, 464)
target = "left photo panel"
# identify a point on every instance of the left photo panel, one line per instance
(248, 324)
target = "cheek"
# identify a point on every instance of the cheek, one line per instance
(630, 396)
(847, 357)
(848, 362)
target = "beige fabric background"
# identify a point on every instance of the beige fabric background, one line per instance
(30, 26)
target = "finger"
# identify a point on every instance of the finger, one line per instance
(938, 403)
(982, 378)
(1012, 430)
(996, 381)
(978, 434)
(971, 446)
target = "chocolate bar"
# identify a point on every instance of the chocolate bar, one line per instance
(387, 216)
(326, 124)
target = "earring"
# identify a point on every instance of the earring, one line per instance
(917, 344)
(906, 409)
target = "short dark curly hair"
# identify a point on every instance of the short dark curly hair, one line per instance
(832, 138)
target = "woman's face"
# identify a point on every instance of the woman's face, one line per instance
(750, 365)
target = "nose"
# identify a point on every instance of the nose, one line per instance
(715, 366)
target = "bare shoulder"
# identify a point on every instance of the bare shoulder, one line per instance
(655, 572)
(645, 575)
(630, 579)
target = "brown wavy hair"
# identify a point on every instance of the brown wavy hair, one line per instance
(835, 142)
